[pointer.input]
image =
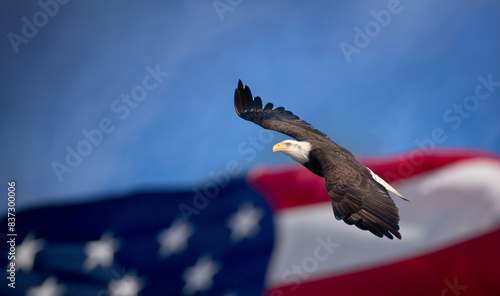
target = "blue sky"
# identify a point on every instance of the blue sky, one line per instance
(414, 74)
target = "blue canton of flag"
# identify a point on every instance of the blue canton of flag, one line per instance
(161, 243)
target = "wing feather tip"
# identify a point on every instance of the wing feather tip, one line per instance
(244, 101)
(238, 106)
(379, 229)
(257, 104)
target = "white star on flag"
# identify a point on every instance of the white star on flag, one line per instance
(100, 252)
(245, 222)
(49, 287)
(27, 251)
(200, 276)
(129, 285)
(174, 239)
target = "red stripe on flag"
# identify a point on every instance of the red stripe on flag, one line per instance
(468, 268)
(415, 162)
(289, 186)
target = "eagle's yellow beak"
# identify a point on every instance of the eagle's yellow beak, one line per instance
(279, 147)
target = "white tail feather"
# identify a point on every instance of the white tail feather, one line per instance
(386, 185)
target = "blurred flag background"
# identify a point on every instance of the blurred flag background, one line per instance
(134, 176)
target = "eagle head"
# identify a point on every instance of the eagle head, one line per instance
(298, 151)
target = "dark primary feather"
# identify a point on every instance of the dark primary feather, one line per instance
(278, 119)
(356, 197)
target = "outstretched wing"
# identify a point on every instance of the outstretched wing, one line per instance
(358, 199)
(278, 119)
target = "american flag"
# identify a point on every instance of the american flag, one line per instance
(213, 240)
(224, 238)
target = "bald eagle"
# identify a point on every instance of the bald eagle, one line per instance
(359, 197)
